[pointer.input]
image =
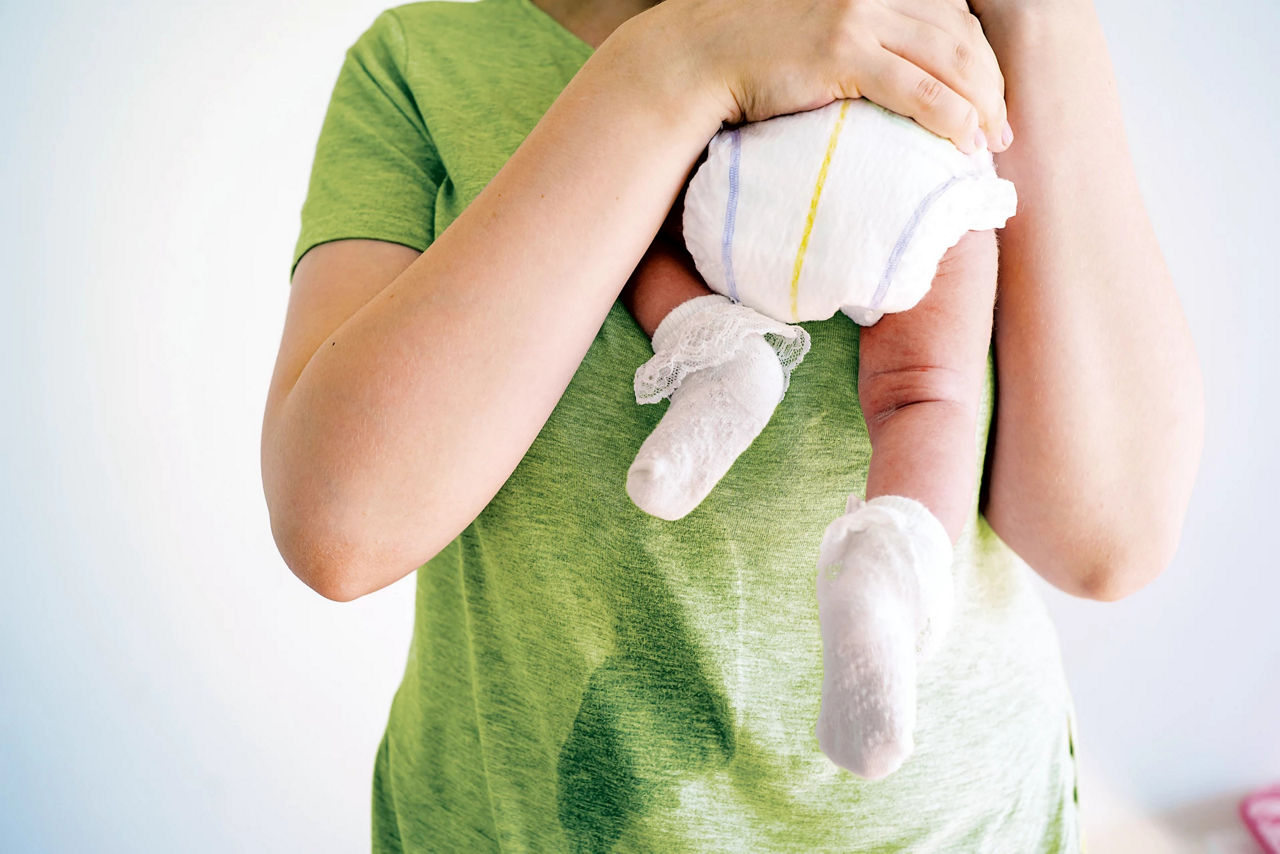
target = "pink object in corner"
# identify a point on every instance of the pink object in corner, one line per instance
(1261, 814)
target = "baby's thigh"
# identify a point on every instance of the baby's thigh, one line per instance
(951, 325)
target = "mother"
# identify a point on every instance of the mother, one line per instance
(453, 394)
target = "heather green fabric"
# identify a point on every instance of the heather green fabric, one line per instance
(584, 677)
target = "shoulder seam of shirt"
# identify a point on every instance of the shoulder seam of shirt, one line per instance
(404, 42)
(405, 73)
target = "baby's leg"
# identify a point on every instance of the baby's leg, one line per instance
(716, 411)
(884, 579)
(920, 381)
(664, 278)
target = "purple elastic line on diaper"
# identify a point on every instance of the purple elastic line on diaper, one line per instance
(730, 215)
(903, 239)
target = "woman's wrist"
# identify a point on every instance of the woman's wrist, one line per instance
(644, 54)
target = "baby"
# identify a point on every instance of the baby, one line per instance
(848, 207)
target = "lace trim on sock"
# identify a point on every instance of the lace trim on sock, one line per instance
(712, 337)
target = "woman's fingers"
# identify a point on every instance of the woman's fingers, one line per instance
(928, 59)
(902, 86)
(964, 62)
(954, 18)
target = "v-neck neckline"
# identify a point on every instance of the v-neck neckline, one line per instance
(551, 23)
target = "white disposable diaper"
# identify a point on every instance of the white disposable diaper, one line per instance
(848, 207)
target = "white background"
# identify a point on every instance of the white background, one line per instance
(167, 684)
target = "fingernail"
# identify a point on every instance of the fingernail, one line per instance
(979, 140)
(1006, 136)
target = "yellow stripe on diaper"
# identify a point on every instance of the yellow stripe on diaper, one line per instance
(813, 209)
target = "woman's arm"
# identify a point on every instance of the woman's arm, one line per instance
(406, 393)
(1099, 423)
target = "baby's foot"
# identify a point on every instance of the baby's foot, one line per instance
(884, 592)
(713, 417)
(724, 378)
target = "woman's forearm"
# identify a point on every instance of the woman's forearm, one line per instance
(1099, 422)
(411, 416)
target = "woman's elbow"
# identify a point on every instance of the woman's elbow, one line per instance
(1112, 583)
(1131, 564)
(318, 561)
(346, 558)
(1091, 559)
(1148, 543)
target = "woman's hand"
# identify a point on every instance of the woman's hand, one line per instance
(755, 59)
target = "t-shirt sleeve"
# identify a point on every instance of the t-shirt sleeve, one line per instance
(376, 171)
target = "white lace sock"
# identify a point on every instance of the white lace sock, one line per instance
(725, 367)
(885, 593)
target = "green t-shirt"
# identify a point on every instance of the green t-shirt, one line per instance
(585, 677)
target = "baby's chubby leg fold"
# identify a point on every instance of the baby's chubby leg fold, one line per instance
(884, 581)
(920, 378)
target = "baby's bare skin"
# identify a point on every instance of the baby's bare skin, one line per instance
(920, 371)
